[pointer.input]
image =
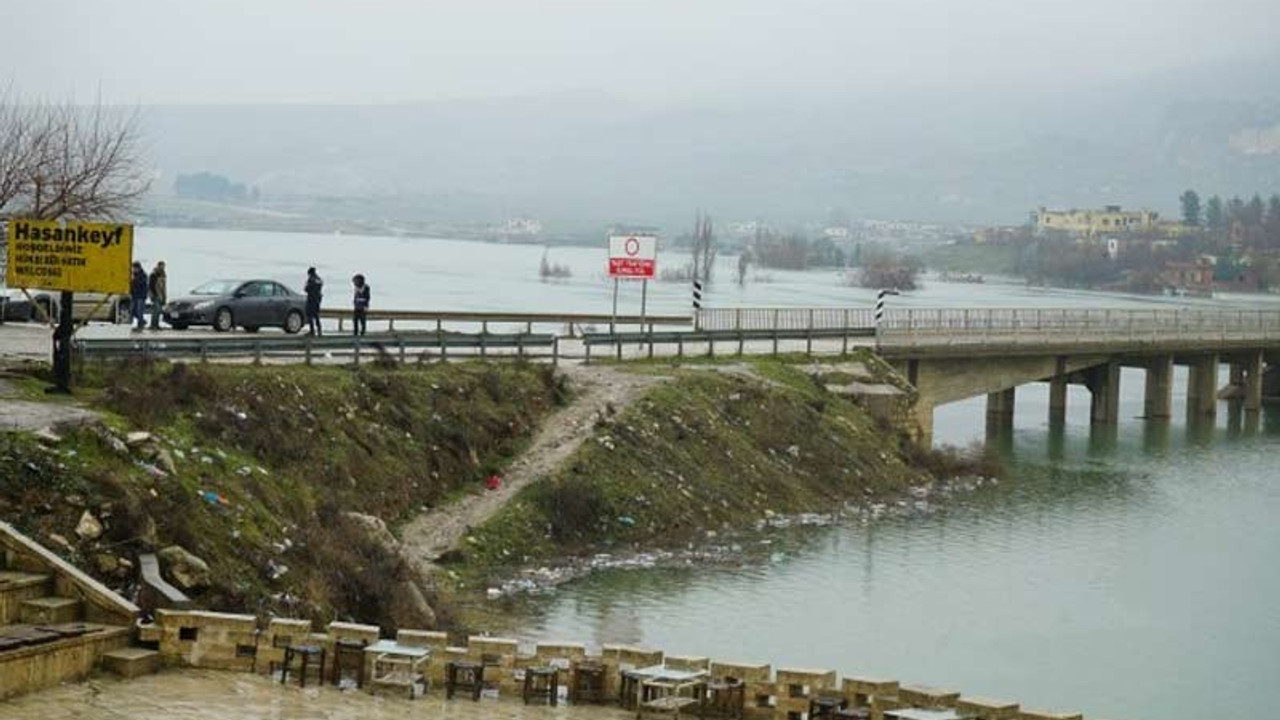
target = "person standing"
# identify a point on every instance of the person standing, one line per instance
(158, 290)
(138, 296)
(314, 290)
(360, 321)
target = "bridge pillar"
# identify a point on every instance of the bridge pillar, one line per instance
(924, 423)
(1252, 381)
(1000, 408)
(1104, 384)
(1058, 393)
(1202, 386)
(1158, 401)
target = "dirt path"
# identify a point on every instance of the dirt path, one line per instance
(597, 389)
(24, 415)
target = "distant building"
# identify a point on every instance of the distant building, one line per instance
(836, 232)
(1088, 223)
(522, 226)
(1192, 278)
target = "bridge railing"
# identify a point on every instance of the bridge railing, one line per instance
(1047, 324)
(717, 319)
(569, 323)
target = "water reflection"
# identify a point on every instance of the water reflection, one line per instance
(1111, 560)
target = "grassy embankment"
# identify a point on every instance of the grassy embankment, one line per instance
(284, 454)
(706, 451)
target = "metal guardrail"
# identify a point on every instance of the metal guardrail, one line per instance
(307, 348)
(483, 319)
(899, 329)
(699, 337)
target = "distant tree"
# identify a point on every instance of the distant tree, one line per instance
(1190, 208)
(1235, 210)
(744, 266)
(213, 187)
(705, 248)
(1254, 211)
(1215, 215)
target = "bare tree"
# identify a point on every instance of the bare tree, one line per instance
(705, 248)
(62, 160)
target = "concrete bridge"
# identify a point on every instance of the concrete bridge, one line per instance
(952, 355)
(947, 354)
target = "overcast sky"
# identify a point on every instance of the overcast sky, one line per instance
(356, 51)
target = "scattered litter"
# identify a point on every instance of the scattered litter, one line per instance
(214, 498)
(493, 482)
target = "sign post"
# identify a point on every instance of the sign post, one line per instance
(880, 312)
(68, 257)
(632, 257)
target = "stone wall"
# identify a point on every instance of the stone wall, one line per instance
(239, 642)
(33, 668)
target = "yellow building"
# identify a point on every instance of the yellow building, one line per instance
(1088, 223)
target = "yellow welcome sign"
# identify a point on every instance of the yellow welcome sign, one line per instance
(75, 256)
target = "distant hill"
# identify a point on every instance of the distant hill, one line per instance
(586, 159)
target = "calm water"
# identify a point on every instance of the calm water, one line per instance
(455, 275)
(1127, 575)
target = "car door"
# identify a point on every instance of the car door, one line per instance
(253, 304)
(279, 303)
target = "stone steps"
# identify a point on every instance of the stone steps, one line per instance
(131, 662)
(18, 587)
(50, 610)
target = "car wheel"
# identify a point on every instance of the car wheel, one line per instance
(222, 320)
(293, 322)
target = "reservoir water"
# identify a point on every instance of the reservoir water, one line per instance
(1129, 574)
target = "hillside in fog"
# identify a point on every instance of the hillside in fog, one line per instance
(583, 158)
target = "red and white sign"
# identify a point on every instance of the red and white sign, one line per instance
(633, 256)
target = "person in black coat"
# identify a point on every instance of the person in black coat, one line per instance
(315, 291)
(138, 290)
(360, 322)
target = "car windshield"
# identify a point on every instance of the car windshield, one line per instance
(217, 287)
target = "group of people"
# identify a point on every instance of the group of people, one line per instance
(314, 290)
(144, 287)
(153, 287)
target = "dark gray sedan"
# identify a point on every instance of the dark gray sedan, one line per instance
(250, 304)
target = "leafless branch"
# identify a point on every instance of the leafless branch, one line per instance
(60, 160)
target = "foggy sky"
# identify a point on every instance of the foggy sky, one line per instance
(382, 51)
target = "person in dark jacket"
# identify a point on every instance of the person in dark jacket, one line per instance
(158, 290)
(315, 291)
(138, 296)
(360, 321)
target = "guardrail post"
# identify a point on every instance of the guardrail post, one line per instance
(555, 350)
(483, 342)
(844, 343)
(650, 342)
(257, 352)
(680, 346)
(357, 351)
(307, 348)
(520, 346)
(617, 345)
(391, 324)
(204, 351)
(586, 346)
(341, 320)
(484, 327)
(400, 340)
(775, 331)
(444, 349)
